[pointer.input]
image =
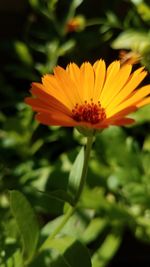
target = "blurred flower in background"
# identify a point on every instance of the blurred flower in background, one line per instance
(75, 24)
(127, 57)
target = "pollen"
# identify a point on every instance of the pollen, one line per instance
(89, 112)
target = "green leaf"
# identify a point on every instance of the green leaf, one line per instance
(74, 252)
(23, 53)
(73, 6)
(74, 227)
(106, 251)
(52, 5)
(77, 255)
(143, 10)
(60, 195)
(96, 227)
(134, 40)
(142, 115)
(59, 260)
(75, 174)
(94, 199)
(26, 222)
(34, 3)
(66, 47)
(14, 261)
(112, 19)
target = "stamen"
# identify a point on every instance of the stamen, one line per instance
(92, 113)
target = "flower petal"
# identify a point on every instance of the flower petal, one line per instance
(111, 73)
(87, 81)
(74, 73)
(49, 100)
(51, 87)
(55, 119)
(116, 86)
(100, 73)
(134, 81)
(122, 113)
(67, 85)
(123, 121)
(117, 116)
(134, 99)
(144, 102)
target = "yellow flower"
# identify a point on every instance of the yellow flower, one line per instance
(91, 96)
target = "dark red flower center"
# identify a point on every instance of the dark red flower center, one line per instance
(89, 112)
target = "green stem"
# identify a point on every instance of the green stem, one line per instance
(58, 228)
(72, 209)
(85, 167)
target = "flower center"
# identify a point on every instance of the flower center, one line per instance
(89, 112)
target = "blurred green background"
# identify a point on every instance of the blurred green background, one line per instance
(114, 212)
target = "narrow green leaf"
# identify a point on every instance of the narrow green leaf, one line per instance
(142, 115)
(34, 3)
(106, 251)
(66, 47)
(131, 39)
(26, 222)
(59, 261)
(60, 244)
(74, 227)
(77, 255)
(74, 252)
(60, 195)
(96, 226)
(52, 5)
(23, 53)
(75, 174)
(14, 261)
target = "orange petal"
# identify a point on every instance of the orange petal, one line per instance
(40, 106)
(87, 81)
(119, 122)
(55, 119)
(67, 85)
(133, 100)
(35, 103)
(48, 99)
(117, 116)
(111, 73)
(122, 113)
(117, 84)
(144, 102)
(74, 73)
(62, 120)
(123, 121)
(133, 82)
(51, 87)
(100, 73)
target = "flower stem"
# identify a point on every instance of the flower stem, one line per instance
(85, 167)
(58, 228)
(71, 209)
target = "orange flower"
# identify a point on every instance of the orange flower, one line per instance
(91, 96)
(130, 57)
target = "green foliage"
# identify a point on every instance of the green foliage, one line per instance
(106, 251)
(136, 37)
(68, 249)
(75, 174)
(26, 222)
(41, 166)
